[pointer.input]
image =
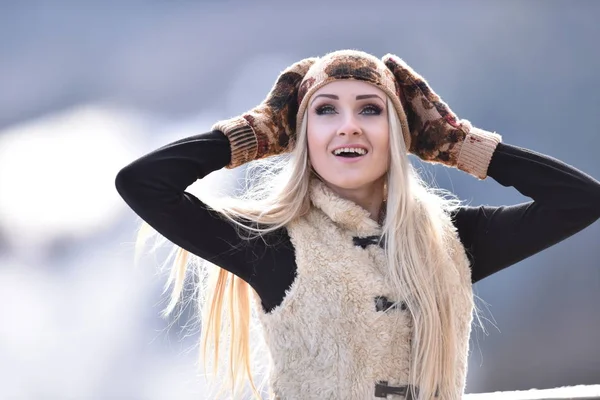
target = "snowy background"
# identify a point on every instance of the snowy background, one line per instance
(87, 87)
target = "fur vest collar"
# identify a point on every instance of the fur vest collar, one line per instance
(335, 335)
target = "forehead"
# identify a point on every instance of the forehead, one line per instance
(349, 87)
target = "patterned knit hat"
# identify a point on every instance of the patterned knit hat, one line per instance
(430, 129)
(351, 64)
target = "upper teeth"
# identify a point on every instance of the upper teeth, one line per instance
(350, 150)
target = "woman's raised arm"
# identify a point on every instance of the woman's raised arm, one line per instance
(564, 201)
(154, 187)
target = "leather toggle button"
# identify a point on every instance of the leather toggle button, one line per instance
(383, 304)
(364, 241)
(382, 389)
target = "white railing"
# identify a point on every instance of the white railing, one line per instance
(571, 392)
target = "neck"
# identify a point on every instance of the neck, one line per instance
(370, 196)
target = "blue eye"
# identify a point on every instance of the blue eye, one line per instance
(372, 109)
(326, 109)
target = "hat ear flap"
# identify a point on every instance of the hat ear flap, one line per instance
(269, 128)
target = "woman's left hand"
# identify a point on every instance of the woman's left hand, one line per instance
(437, 135)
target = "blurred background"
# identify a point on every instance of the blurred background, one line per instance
(87, 87)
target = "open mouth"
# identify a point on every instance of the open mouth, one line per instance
(350, 152)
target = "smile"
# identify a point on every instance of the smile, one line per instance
(350, 157)
(350, 152)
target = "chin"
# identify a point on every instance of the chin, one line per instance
(349, 182)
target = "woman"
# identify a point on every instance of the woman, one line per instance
(363, 274)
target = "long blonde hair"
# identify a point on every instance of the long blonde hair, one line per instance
(416, 236)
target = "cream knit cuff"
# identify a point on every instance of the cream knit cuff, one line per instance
(242, 140)
(476, 152)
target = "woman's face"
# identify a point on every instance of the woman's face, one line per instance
(346, 115)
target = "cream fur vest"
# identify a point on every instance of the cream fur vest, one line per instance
(329, 339)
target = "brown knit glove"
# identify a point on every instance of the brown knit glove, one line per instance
(268, 129)
(437, 135)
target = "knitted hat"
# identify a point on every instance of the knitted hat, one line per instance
(430, 129)
(356, 65)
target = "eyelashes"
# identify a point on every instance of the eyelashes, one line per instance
(369, 109)
(326, 109)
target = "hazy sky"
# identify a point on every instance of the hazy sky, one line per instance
(86, 88)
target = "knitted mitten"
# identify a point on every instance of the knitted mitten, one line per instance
(269, 128)
(437, 135)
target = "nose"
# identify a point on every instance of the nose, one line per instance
(349, 127)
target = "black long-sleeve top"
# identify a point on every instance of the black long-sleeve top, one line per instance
(564, 201)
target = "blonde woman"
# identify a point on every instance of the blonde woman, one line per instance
(362, 274)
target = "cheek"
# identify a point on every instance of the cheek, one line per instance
(381, 139)
(384, 143)
(317, 141)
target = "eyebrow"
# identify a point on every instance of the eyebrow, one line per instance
(359, 97)
(367, 96)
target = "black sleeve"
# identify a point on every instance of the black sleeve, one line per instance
(154, 187)
(565, 201)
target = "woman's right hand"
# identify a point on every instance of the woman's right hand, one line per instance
(270, 128)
